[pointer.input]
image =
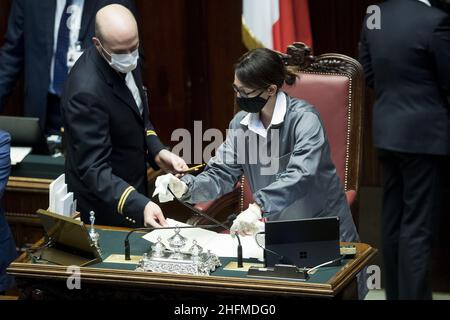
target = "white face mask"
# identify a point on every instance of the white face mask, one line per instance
(123, 63)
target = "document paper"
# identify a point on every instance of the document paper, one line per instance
(223, 245)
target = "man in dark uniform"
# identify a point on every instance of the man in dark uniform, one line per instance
(407, 62)
(109, 137)
(44, 38)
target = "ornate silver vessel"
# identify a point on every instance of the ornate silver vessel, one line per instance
(176, 261)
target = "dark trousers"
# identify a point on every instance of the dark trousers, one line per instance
(53, 122)
(411, 203)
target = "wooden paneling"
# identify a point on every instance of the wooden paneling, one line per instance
(189, 61)
(224, 49)
(166, 75)
(336, 24)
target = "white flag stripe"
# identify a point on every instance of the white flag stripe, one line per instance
(260, 16)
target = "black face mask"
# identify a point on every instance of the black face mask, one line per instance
(252, 105)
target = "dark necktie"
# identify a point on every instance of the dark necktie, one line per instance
(62, 47)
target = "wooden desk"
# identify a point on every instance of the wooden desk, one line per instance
(110, 281)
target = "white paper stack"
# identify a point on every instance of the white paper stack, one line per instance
(223, 245)
(18, 154)
(60, 201)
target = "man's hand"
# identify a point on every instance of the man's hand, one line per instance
(163, 183)
(247, 223)
(153, 216)
(170, 162)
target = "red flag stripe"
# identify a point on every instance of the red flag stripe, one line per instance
(294, 24)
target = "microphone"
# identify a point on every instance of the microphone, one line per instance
(240, 262)
(149, 229)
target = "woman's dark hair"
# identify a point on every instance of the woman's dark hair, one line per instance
(261, 68)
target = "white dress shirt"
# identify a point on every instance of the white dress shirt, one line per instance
(426, 2)
(131, 84)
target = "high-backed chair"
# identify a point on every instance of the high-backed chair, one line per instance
(334, 85)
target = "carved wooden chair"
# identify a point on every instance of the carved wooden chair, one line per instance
(334, 84)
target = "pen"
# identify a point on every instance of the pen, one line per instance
(196, 168)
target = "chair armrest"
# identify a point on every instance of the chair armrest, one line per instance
(206, 206)
(352, 201)
(351, 196)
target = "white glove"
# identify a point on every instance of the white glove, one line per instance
(163, 183)
(247, 223)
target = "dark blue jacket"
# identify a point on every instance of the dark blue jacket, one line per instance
(28, 47)
(407, 62)
(7, 246)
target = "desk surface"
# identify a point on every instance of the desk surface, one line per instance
(39, 167)
(35, 173)
(327, 282)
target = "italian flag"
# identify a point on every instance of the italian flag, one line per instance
(275, 24)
